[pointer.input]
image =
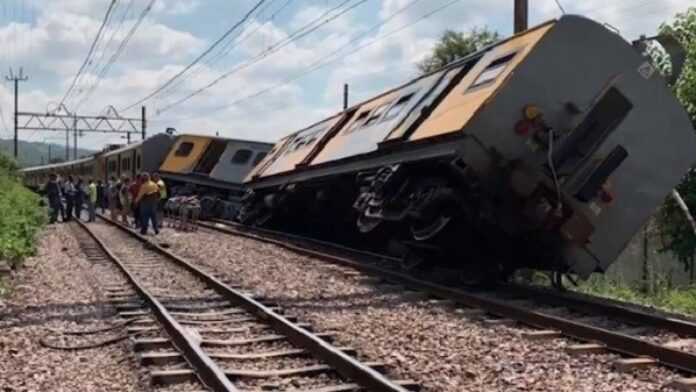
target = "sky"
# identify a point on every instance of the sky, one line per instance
(264, 89)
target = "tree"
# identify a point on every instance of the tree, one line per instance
(674, 226)
(454, 45)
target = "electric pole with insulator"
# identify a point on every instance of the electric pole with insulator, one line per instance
(16, 79)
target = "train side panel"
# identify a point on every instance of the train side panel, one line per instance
(238, 159)
(185, 153)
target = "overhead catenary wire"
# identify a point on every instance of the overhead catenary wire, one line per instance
(325, 60)
(99, 51)
(199, 58)
(90, 52)
(120, 49)
(274, 48)
(225, 50)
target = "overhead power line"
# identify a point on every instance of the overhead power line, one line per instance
(226, 49)
(91, 51)
(122, 46)
(201, 56)
(274, 48)
(325, 60)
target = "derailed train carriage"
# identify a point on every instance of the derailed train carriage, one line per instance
(208, 166)
(546, 150)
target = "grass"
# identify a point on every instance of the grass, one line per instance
(21, 216)
(661, 296)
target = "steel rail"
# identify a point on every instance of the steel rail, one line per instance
(614, 341)
(208, 372)
(342, 363)
(663, 320)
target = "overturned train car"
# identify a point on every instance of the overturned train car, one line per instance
(546, 150)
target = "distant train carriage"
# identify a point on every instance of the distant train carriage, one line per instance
(142, 156)
(212, 162)
(87, 167)
(547, 150)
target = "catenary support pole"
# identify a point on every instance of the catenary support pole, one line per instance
(521, 15)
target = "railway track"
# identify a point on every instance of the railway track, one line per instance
(193, 327)
(642, 338)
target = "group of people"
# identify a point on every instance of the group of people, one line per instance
(142, 198)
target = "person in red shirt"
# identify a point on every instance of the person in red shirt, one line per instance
(134, 189)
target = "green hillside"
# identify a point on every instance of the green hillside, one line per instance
(36, 153)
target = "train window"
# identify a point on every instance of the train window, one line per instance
(494, 69)
(259, 157)
(398, 106)
(137, 162)
(184, 149)
(376, 114)
(358, 122)
(241, 157)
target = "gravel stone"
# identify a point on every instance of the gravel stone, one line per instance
(57, 290)
(429, 343)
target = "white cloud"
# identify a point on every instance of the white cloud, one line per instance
(63, 30)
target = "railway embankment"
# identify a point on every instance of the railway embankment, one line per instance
(21, 219)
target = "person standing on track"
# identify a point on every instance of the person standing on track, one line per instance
(134, 189)
(147, 199)
(101, 196)
(92, 199)
(69, 193)
(52, 190)
(163, 196)
(79, 198)
(112, 197)
(124, 199)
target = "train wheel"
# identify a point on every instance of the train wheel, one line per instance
(424, 232)
(367, 224)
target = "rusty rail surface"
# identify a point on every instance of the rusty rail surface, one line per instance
(614, 341)
(209, 373)
(345, 365)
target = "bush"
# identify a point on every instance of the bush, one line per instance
(662, 296)
(21, 217)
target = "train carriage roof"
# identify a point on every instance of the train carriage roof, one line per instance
(55, 166)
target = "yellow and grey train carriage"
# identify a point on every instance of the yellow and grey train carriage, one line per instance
(548, 150)
(209, 164)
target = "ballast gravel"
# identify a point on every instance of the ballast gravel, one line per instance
(441, 348)
(57, 290)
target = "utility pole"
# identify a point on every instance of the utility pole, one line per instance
(67, 145)
(16, 79)
(345, 96)
(143, 123)
(75, 136)
(521, 15)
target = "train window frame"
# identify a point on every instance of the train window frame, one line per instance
(376, 114)
(398, 106)
(493, 70)
(184, 149)
(259, 157)
(246, 157)
(359, 120)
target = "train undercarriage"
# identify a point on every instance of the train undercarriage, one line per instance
(433, 213)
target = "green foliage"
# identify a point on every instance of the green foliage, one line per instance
(21, 217)
(454, 45)
(676, 230)
(681, 300)
(8, 165)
